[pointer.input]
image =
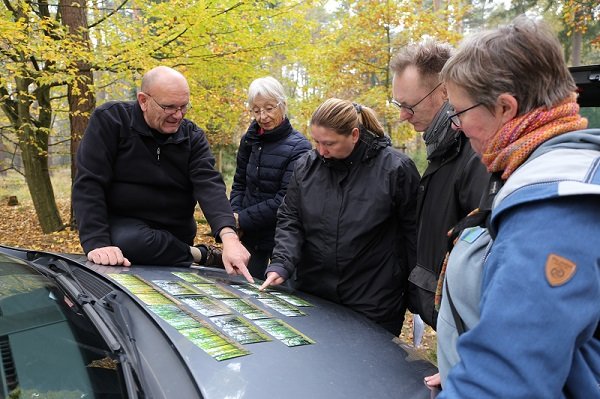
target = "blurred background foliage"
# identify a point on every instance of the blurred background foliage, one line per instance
(61, 58)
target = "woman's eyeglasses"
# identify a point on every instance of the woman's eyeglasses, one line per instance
(269, 110)
(454, 116)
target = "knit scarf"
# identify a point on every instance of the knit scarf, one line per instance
(519, 137)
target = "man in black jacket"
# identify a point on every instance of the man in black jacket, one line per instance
(454, 180)
(141, 169)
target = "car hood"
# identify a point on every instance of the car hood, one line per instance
(239, 343)
(340, 353)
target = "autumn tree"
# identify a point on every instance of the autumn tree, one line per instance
(577, 23)
(582, 23)
(80, 87)
(30, 72)
(352, 50)
(45, 48)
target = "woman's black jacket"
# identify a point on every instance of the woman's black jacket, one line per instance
(347, 228)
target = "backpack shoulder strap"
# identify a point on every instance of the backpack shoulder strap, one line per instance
(479, 217)
(460, 324)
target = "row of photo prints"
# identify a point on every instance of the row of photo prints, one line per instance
(230, 320)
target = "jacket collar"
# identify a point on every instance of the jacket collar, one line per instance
(440, 135)
(374, 143)
(367, 147)
(281, 131)
(450, 148)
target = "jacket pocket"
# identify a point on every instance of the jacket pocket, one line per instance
(421, 294)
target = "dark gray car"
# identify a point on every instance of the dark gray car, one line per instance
(69, 328)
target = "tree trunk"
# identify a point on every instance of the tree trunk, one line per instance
(576, 50)
(33, 142)
(80, 91)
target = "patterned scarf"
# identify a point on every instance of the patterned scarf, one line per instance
(519, 137)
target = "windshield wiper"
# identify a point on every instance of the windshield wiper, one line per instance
(131, 369)
(123, 319)
(86, 302)
(82, 298)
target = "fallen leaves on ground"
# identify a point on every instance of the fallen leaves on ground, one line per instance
(428, 346)
(19, 227)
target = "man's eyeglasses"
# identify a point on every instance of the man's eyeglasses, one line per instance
(454, 116)
(411, 108)
(269, 110)
(170, 109)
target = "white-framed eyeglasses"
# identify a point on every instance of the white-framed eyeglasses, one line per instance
(270, 110)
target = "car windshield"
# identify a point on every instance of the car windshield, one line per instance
(48, 346)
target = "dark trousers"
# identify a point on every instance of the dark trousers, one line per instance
(259, 260)
(144, 245)
(394, 323)
(394, 326)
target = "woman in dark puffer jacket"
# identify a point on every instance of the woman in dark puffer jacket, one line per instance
(265, 161)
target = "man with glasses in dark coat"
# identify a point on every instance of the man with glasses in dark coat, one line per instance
(454, 180)
(141, 169)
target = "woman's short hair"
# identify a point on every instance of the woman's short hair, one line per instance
(269, 88)
(524, 59)
(342, 116)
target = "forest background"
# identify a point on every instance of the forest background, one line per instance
(59, 59)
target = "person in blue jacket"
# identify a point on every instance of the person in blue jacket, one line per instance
(265, 161)
(142, 168)
(527, 297)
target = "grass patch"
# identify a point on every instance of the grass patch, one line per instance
(13, 183)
